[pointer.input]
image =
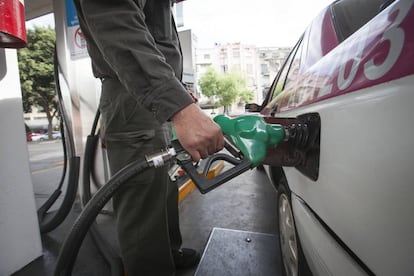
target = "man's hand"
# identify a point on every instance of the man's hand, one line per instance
(198, 134)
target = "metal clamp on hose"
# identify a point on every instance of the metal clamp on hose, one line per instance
(158, 159)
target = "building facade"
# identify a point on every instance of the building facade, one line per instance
(258, 65)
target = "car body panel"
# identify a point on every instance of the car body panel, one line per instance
(364, 190)
(326, 256)
(363, 92)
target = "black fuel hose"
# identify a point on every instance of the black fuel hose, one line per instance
(93, 147)
(48, 224)
(107, 251)
(51, 200)
(73, 241)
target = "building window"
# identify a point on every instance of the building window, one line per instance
(264, 69)
(266, 81)
(206, 56)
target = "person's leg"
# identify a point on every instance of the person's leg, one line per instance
(183, 257)
(173, 216)
(142, 227)
(141, 204)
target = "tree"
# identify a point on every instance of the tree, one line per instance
(36, 73)
(226, 87)
(246, 95)
(209, 82)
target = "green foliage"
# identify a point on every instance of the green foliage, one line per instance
(226, 87)
(246, 95)
(209, 82)
(36, 72)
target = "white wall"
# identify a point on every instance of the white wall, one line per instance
(19, 231)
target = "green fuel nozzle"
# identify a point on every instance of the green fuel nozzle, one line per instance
(251, 135)
(248, 139)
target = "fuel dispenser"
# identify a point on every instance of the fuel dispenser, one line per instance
(19, 230)
(12, 24)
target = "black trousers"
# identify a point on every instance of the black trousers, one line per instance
(146, 206)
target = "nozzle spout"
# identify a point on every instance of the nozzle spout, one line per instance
(251, 135)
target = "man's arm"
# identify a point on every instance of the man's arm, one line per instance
(118, 29)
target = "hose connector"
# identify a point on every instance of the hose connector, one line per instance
(158, 159)
(297, 135)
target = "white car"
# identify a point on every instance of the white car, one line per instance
(36, 137)
(346, 197)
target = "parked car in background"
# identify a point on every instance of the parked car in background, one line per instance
(347, 210)
(36, 137)
(56, 135)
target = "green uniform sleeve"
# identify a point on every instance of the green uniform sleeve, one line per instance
(134, 51)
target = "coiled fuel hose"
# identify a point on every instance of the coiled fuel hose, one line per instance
(48, 223)
(73, 241)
